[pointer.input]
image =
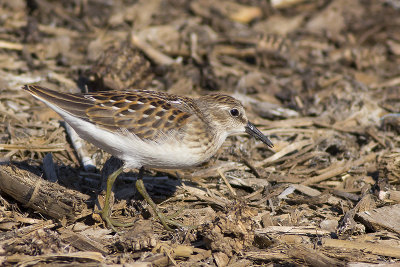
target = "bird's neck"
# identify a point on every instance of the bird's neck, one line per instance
(204, 112)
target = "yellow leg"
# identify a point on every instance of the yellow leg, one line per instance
(142, 190)
(106, 211)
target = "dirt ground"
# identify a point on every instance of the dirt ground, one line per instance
(320, 78)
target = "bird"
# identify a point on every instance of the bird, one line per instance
(150, 129)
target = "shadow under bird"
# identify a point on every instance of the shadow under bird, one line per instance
(148, 129)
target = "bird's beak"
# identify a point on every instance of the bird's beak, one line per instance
(253, 131)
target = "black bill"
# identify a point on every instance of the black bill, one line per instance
(253, 131)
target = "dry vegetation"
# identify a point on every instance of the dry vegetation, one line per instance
(321, 78)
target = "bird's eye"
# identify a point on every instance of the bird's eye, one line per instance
(234, 112)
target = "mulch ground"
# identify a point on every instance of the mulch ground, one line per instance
(320, 78)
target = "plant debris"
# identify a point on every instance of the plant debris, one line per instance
(320, 78)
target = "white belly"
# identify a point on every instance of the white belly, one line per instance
(168, 154)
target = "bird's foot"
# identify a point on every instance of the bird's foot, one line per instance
(168, 221)
(110, 222)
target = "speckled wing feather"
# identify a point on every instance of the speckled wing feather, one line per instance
(143, 113)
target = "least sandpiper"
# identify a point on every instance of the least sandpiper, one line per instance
(148, 129)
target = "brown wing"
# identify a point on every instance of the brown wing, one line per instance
(147, 114)
(143, 113)
(74, 104)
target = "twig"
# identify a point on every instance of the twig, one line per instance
(339, 170)
(78, 144)
(226, 182)
(155, 55)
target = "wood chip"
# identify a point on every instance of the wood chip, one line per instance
(385, 217)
